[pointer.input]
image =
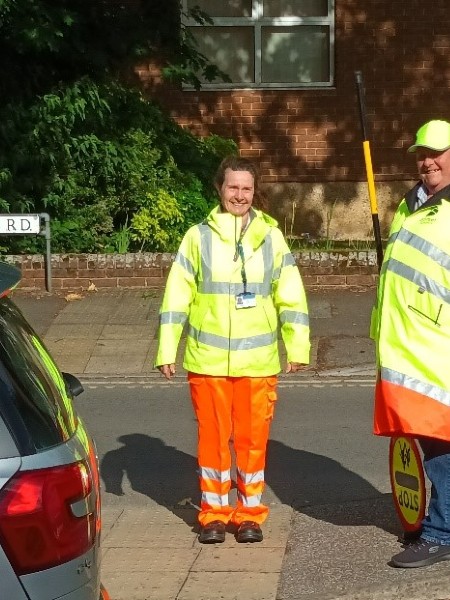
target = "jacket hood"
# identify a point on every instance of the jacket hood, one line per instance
(228, 227)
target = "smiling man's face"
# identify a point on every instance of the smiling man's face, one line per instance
(236, 193)
(434, 168)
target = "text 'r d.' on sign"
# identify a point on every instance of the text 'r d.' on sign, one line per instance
(20, 224)
(32, 224)
(407, 482)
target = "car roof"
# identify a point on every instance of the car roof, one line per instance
(9, 277)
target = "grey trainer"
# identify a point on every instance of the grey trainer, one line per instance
(421, 553)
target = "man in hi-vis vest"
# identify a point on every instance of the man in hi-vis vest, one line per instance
(411, 326)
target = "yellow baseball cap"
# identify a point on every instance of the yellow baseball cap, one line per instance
(434, 135)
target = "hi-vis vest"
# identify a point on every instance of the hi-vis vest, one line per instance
(411, 322)
(201, 291)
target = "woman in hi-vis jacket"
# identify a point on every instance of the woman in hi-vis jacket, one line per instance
(235, 281)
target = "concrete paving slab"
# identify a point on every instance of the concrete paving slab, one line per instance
(134, 307)
(345, 351)
(93, 308)
(321, 309)
(71, 354)
(74, 330)
(151, 527)
(110, 517)
(125, 332)
(121, 348)
(110, 365)
(117, 356)
(240, 558)
(147, 585)
(40, 309)
(153, 552)
(174, 560)
(229, 586)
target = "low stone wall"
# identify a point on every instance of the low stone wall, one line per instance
(77, 272)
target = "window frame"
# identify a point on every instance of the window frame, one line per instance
(257, 21)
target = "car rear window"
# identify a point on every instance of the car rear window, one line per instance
(31, 381)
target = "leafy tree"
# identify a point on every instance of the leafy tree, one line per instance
(45, 42)
(79, 143)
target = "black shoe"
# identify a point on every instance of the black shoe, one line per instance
(213, 533)
(421, 553)
(249, 531)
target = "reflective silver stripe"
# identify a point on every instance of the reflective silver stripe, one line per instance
(421, 280)
(172, 317)
(288, 260)
(185, 263)
(224, 343)
(208, 286)
(215, 499)
(267, 250)
(215, 474)
(421, 387)
(294, 316)
(249, 478)
(249, 501)
(232, 289)
(425, 247)
(206, 255)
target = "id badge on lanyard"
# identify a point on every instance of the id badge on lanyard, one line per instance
(245, 300)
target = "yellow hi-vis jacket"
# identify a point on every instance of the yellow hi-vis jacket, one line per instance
(201, 289)
(411, 322)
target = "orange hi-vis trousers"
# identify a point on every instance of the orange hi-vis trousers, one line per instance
(238, 408)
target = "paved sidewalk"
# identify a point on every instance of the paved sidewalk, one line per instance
(115, 332)
(151, 552)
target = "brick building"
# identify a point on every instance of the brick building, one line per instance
(305, 132)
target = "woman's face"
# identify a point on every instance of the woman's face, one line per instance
(236, 193)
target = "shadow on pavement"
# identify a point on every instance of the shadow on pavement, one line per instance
(312, 484)
(300, 479)
(154, 469)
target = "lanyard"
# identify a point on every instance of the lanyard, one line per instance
(240, 251)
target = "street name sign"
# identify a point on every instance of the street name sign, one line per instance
(20, 224)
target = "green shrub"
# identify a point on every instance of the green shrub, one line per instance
(111, 169)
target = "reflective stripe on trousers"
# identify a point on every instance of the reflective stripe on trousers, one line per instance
(238, 408)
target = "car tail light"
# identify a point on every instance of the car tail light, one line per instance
(47, 516)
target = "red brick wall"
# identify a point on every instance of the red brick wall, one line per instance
(72, 272)
(402, 49)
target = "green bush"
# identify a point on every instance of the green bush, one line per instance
(112, 170)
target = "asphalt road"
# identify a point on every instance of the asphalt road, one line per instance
(322, 460)
(321, 449)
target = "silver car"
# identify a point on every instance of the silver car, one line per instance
(49, 481)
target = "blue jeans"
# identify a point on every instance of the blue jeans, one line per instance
(436, 462)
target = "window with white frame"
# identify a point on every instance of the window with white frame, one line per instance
(267, 43)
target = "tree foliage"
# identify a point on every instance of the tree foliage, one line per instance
(80, 144)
